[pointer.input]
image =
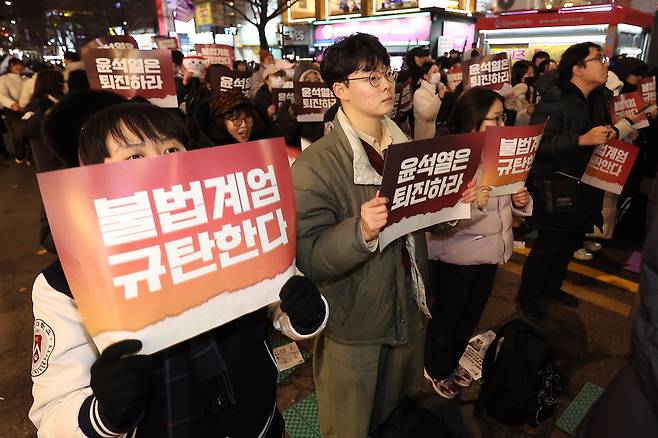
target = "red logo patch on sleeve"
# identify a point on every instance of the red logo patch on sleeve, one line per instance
(44, 344)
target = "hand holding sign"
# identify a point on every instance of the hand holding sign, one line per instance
(302, 302)
(373, 217)
(610, 165)
(473, 193)
(595, 136)
(122, 381)
(426, 182)
(521, 198)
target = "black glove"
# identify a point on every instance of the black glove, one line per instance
(301, 300)
(122, 382)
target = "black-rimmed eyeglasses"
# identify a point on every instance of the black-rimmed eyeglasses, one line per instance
(375, 77)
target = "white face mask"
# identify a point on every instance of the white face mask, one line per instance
(435, 78)
(277, 82)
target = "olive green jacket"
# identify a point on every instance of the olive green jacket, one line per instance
(368, 300)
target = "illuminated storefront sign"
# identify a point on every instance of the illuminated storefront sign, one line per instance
(394, 31)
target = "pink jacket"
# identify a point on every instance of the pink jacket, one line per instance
(484, 239)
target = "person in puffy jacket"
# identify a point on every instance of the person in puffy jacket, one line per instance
(427, 101)
(464, 259)
(575, 109)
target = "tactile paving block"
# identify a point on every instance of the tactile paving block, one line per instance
(302, 418)
(576, 411)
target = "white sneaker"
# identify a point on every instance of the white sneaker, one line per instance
(446, 388)
(462, 377)
(592, 246)
(583, 254)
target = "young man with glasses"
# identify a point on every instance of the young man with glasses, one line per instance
(565, 209)
(370, 356)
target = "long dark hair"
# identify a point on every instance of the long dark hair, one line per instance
(49, 82)
(426, 67)
(519, 70)
(471, 109)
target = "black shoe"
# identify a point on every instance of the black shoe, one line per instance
(562, 297)
(531, 308)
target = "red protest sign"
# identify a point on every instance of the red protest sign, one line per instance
(111, 42)
(647, 87)
(281, 95)
(403, 99)
(628, 104)
(490, 71)
(131, 72)
(162, 249)
(508, 155)
(610, 165)
(313, 99)
(216, 54)
(454, 77)
(223, 78)
(424, 181)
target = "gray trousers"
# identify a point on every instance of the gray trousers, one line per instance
(358, 386)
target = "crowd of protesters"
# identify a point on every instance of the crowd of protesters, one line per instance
(383, 320)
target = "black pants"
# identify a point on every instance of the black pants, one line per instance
(14, 126)
(460, 294)
(546, 266)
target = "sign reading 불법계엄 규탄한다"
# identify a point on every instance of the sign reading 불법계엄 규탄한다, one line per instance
(509, 152)
(610, 165)
(162, 249)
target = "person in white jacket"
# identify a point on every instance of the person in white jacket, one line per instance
(11, 86)
(427, 101)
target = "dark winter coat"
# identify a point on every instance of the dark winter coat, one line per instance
(562, 202)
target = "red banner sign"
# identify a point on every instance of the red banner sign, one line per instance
(424, 181)
(223, 79)
(314, 100)
(216, 54)
(648, 89)
(131, 72)
(281, 95)
(508, 155)
(490, 71)
(610, 166)
(455, 77)
(629, 104)
(162, 249)
(111, 42)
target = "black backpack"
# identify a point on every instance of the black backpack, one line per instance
(521, 385)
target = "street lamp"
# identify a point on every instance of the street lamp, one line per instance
(8, 3)
(13, 21)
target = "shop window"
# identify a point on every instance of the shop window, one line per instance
(497, 6)
(394, 5)
(343, 7)
(302, 9)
